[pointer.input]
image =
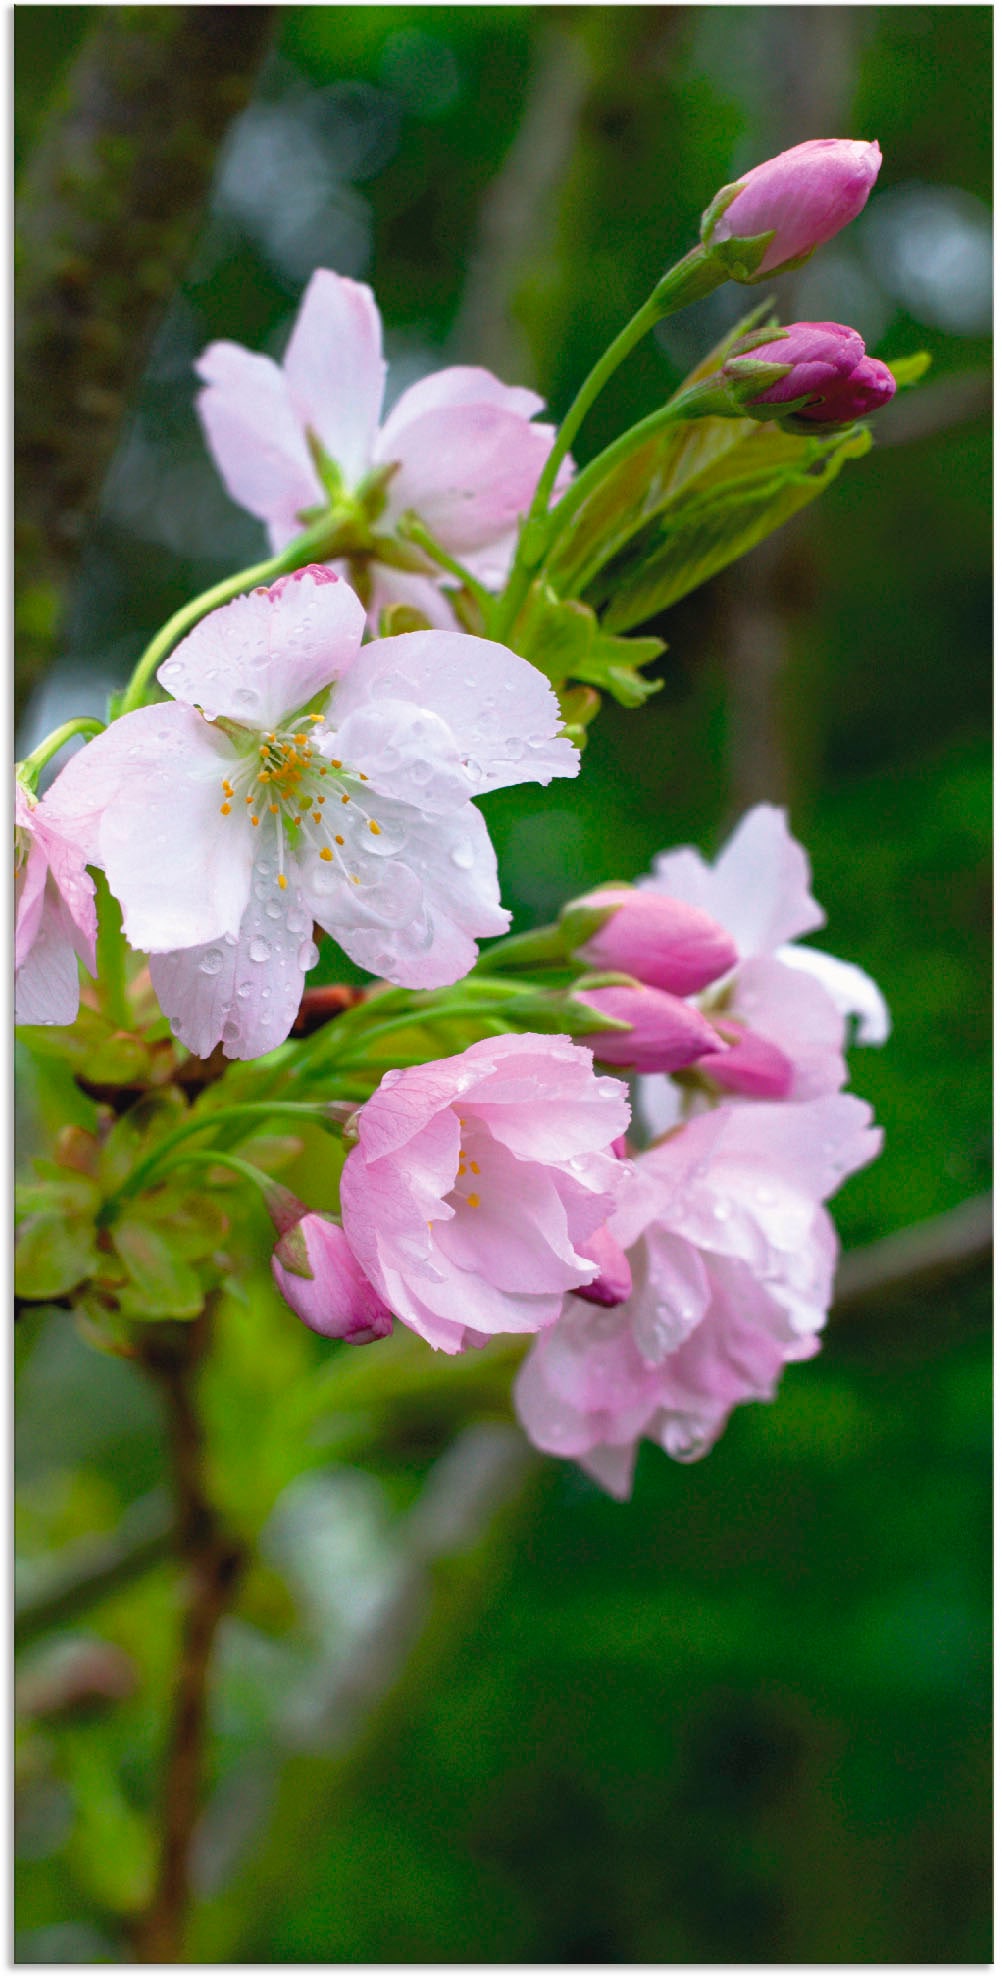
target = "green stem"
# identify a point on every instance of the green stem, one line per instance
(246, 1171)
(314, 542)
(111, 956)
(414, 530)
(30, 769)
(140, 1175)
(691, 278)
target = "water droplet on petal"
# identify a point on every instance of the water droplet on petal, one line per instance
(211, 962)
(307, 956)
(259, 950)
(461, 854)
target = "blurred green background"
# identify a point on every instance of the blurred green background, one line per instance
(744, 1717)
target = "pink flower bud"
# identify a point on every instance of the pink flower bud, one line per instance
(661, 941)
(828, 365)
(319, 1278)
(752, 1066)
(782, 209)
(614, 1282)
(664, 1034)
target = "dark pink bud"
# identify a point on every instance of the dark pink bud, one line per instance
(664, 1034)
(319, 1278)
(784, 208)
(751, 1065)
(828, 366)
(614, 1281)
(661, 941)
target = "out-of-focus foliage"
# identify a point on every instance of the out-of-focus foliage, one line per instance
(743, 1718)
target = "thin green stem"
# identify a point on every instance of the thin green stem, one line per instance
(112, 956)
(30, 769)
(414, 530)
(165, 1150)
(314, 541)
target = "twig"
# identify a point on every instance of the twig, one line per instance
(924, 1257)
(212, 1563)
(107, 214)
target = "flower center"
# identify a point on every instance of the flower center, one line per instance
(467, 1174)
(292, 780)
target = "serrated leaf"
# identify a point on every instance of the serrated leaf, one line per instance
(54, 1253)
(747, 493)
(562, 637)
(160, 1282)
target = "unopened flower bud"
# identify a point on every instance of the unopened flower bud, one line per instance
(829, 379)
(751, 1065)
(664, 1033)
(662, 941)
(778, 213)
(614, 1282)
(319, 1278)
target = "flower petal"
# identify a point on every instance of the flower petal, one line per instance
(335, 370)
(143, 799)
(853, 991)
(446, 390)
(47, 984)
(503, 713)
(243, 993)
(759, 888)
(260, 658)
(470, 472)
(255, 436)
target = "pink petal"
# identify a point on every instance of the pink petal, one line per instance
(853, 991)
(259, 659)
(446, 390)
(759, 888)
(335, 371)
(256, 437)
(469, 472)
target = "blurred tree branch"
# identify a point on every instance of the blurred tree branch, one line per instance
(107, 213)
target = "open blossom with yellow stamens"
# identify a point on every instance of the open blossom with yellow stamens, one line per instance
(297, 777)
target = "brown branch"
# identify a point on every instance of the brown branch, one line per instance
(925, 1257)
(107, 215)
(211, 1563)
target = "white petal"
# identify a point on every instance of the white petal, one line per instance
(255, 436)
(502, 712)
(263, 656)
(243, 993)
(460, 384)
(852, 990)
(759, 888)
(405, 752)
(335, 370)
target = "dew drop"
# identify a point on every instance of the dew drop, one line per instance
(307, 956)
(244, 990)
(231, 1031)
(461, 855)
(211, 962)
(273, 910)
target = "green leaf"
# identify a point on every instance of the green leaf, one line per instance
(907, 370)
(762, 478)
(93, 1048)
(196, 1222)
(137, 1132)
(563, 638)
(54, 1253)
(160, 1283)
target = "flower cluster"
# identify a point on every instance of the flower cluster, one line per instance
(301, 775)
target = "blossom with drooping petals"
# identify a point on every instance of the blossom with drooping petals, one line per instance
(55, 922)
(732, 1259)
(826, 363)
(297, 776)
(664, 942)
(458, 448)
(476, 1181)
(336, 1298)
(794, 999)
(801, 198)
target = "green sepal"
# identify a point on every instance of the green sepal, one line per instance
(399, 618)
(741, 258)
(196, 1223)
(92, 1047)
(291, 1252)
(159, 1282)
(53, 1254)
(397, 554)
(579, 924)
(563, 639)
(578, 707)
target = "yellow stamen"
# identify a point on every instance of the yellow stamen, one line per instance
(327, 854)
(334, 762)
(255, 821)
(282, 881)
(346, 799)
(338, 840)
(474, 1200)
(474, 1167)
(224, 809)
(375, 828)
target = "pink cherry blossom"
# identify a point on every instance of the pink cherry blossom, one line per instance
(790, 1004)
(826, 363)
(299, 777)
(460, 446)
(478, 1180)
(335, 1299)
(732, 1260)
(55, 915)
(665, 1033)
